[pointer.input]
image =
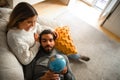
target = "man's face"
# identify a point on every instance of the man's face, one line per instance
(47, 42)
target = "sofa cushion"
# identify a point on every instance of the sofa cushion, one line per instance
(3, 41)
(5, 13)
(3, 25)
(4, 17)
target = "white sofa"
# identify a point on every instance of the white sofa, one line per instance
(10, 68)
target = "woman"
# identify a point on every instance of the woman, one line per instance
(22, 31)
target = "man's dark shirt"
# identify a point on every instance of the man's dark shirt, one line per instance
(40, 65)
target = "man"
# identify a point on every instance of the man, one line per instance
(40, 70)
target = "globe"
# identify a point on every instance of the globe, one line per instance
(57, 63)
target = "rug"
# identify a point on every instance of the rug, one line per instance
(103, 51)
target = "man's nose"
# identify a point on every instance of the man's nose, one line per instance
(48, 42)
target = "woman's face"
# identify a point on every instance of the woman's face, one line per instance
(28, 23)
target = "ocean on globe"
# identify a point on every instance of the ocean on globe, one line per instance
(57, 63)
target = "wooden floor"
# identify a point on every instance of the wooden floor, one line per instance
(52, 8)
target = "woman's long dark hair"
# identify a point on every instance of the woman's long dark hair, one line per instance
(21, 12)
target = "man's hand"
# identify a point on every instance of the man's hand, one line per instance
(50, 76)
(64, 70)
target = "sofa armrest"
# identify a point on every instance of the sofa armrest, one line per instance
(10, 68)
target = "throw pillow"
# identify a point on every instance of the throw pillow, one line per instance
(64, 42)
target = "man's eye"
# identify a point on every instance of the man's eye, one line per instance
(43, 40)
(51, 40)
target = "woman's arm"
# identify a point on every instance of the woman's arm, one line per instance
(22, 50)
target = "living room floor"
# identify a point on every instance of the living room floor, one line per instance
(80, 9)
(52, 8)
(103, 51)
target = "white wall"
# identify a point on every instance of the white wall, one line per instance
(113, 22)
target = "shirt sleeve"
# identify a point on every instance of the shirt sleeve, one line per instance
(22, 50)
(69, 75)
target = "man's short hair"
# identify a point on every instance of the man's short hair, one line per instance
(47, 31)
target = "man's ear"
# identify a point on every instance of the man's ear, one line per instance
(56, 35)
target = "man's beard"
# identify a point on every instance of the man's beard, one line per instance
(48, 50)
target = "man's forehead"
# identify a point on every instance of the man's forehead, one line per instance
(47, 36)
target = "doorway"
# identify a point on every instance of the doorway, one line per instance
(91, 11)
(100, 4)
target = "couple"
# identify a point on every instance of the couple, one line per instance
(21, 37)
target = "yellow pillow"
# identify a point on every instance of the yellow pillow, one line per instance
(64, 42)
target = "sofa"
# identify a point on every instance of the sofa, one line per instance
(10, 68)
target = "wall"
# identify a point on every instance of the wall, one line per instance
(113, 22)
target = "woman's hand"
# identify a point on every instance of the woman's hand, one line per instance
(36, 37)
(50, 76)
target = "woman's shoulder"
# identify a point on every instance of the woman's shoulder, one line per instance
(14, 32)
(11, 32)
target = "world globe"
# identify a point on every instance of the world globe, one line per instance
(57, 63)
